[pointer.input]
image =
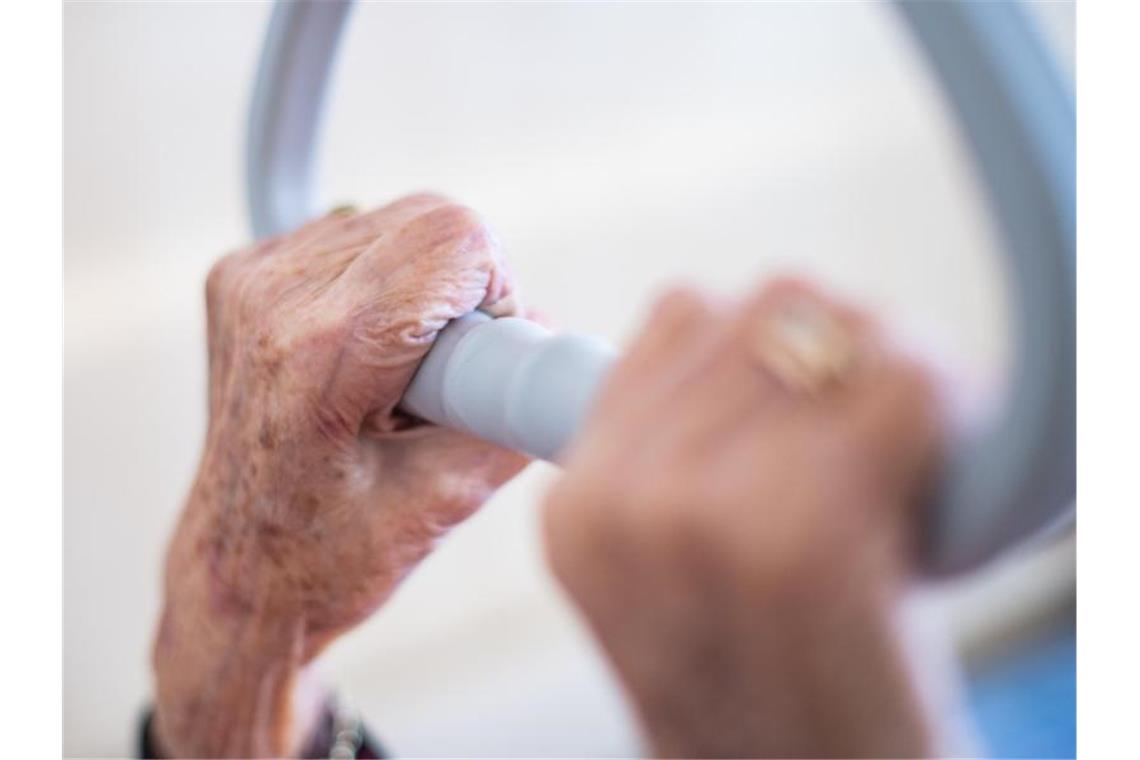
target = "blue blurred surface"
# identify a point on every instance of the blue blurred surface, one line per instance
(1025, 703)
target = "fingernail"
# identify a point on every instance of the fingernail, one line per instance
(507, 306)
(344, 209)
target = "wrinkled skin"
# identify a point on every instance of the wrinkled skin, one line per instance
(738, 547)
(314, 496)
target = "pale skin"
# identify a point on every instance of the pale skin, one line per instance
(736, 546)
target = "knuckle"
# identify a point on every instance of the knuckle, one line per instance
(917, 389)
(678, 303)
(234, 280)
(783, 286)
(452, 222)
(453, 237)
(771, 294)
(219, 277)
(861, 322)
(775, 295)
(422, 198)
(907, 382)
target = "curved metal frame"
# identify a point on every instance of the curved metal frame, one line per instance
(1018, 116)
(286, 111)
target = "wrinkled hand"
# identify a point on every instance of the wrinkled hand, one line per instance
(736, 543)
(315, 496)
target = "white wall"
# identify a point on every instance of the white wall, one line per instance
(616, 148)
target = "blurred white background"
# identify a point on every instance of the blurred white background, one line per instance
(617, 148)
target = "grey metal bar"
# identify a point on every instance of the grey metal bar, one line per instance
(1019, 118)
(286, 109)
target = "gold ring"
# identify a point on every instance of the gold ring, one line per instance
(805, 347)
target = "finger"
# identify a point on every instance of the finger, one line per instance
(815, 347)
(680, 320)
(734, 384)
(403, 289)
(507, 306)
(896, 421)
(814, 391)
(881, 407)
(727, 385)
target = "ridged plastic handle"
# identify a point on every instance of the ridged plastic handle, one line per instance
(510, 381)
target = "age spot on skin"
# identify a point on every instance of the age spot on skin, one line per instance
(310, 506)
(266, 437)
(270, 537)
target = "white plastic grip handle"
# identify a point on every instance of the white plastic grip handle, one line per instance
(509, 381)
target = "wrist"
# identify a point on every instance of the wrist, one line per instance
(231, 671)
(232, 686)
(787, 677)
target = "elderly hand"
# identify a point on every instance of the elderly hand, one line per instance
(733, 522)
(314, 495)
